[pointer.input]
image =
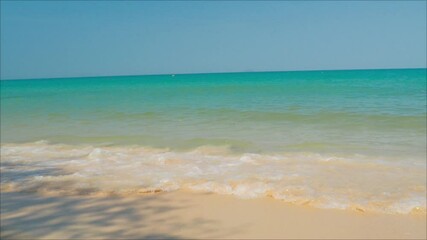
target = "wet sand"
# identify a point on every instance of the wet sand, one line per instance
(177, 215)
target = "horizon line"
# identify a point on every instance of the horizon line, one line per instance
(201, 73)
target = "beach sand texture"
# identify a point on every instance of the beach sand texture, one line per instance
(183, 215)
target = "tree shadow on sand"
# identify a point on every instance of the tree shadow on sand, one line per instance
(31, 216)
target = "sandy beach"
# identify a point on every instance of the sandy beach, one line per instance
(183, 215)
(213, 120)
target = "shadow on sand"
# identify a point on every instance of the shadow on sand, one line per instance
(30, 216)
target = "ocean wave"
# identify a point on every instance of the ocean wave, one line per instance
(318, 117)
(355, 182)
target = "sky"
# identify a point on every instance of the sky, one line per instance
(48, 39)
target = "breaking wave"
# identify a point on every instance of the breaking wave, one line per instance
(326, 181)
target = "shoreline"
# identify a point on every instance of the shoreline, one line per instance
(319, 180)
(182, 214)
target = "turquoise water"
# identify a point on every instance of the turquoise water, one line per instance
(357, 116)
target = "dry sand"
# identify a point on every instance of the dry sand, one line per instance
(178, 215)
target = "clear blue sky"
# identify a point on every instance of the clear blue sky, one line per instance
(65, 39)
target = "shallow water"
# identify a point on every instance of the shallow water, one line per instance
(332, 139)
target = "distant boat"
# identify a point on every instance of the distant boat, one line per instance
(173, 75)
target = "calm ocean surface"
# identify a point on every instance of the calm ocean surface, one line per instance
(332, 139)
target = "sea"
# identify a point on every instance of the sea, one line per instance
(342, 139)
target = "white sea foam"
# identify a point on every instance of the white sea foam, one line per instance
(342, 182)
